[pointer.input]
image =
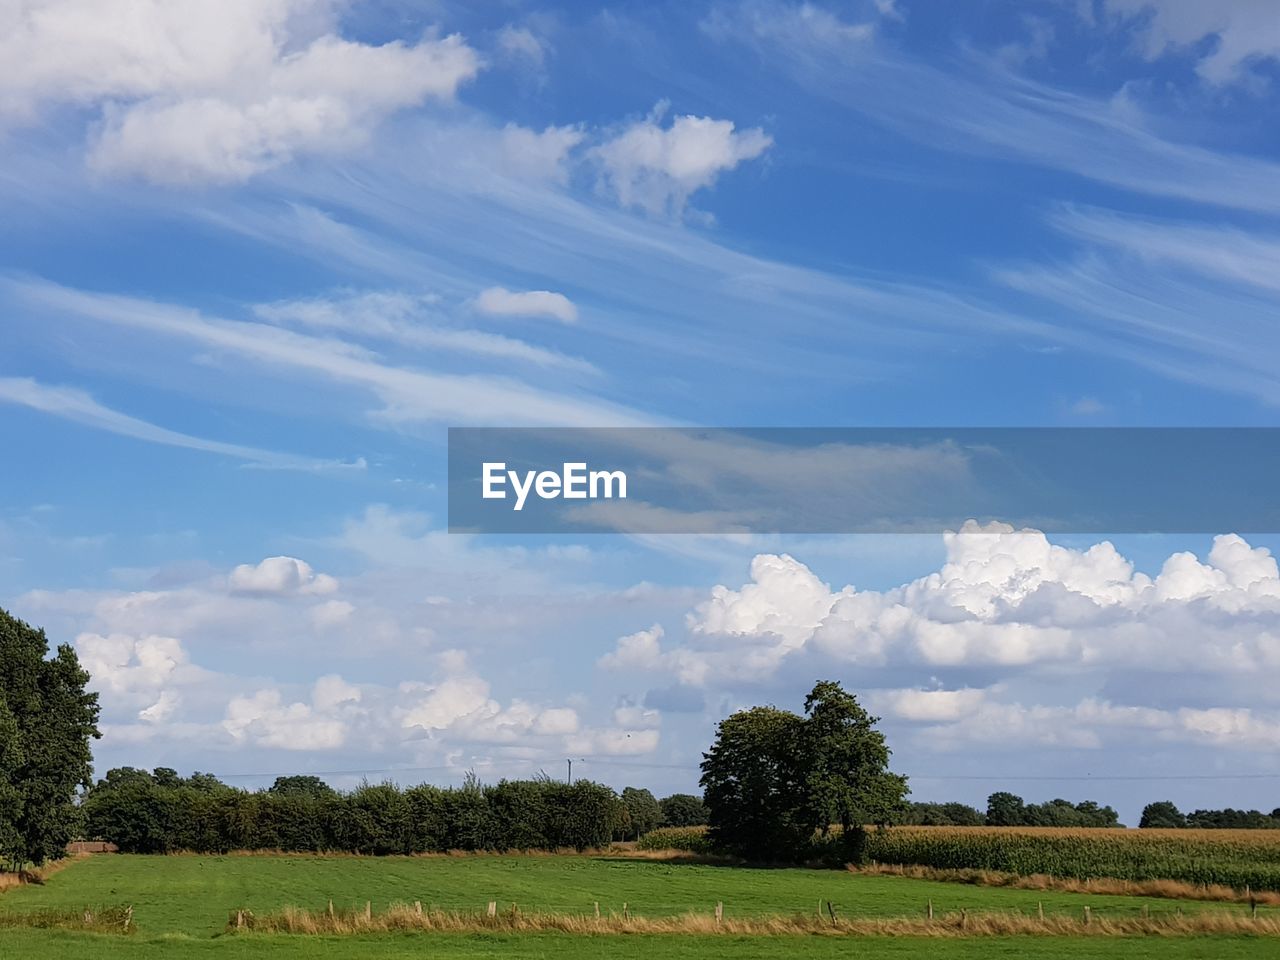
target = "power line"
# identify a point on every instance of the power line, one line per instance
(645, 765)
(1103, 776)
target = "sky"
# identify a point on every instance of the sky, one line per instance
(256, 258)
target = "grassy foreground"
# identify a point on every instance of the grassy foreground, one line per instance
(195, 895)
(67, 946)
(181, 906)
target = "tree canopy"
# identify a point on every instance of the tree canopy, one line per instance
(774, 779)
(47, 719)
(683, 810)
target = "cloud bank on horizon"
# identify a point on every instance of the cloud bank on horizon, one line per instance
(253, 264)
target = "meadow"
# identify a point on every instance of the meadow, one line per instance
(182, 905)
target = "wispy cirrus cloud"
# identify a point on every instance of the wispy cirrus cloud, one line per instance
(408, 394)
(979, 107)
(76, 405)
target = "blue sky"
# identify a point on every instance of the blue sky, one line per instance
(252, 266)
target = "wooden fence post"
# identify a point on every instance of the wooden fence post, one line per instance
(368, 910)
(597, 909)
(626, 914)
(929, 909)
(417, 908)
(1088, 916)
(1040, 909)
(719, 912)
(493, 908)
(330, 909)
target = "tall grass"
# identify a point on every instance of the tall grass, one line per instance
(411, 918)
(91, 919)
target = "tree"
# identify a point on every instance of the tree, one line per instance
(48, 719)
(643, 812)
(1006, 810)
(846, 763)
(1161, 814)
(302, 785)
(773, 780)
(752, 782)
(683, 810)
(942, 815)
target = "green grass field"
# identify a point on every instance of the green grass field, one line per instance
(182, 903)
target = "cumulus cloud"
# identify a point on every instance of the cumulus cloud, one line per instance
(266, 720)
(138, 672)
(501, 302)
(280, 575)
(656, 168)
(1005, 602)
(193, 92)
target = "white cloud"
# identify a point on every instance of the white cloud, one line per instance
(658, 168)
(409, 394)
(521, 43)
(641, 651)
(416, 321)
(280, 575)
(614, 742)
(143, 674)
(994, 112)
(1004, 598)
(539, 154)
(928, 706)
(500, 302)
(331, 612)
(265, 719)
(78, 406)
(192, 92)
(1243, 32)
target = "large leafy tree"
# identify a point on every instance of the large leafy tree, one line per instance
(774, 779)
(846, 767)
(1162, 815)
(752, 780)
(643, 812)
(47, 719)
(683, 810)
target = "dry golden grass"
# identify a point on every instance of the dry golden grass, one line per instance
(1167, 889)
(412, 918)
(118, 920)
(37, 875)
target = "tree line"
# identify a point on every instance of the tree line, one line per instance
(777, 786)
(1164, 814)
(160, 812)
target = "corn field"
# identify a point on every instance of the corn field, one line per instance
(1236, 859)
(1232, 858)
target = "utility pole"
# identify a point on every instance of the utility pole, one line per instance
(569, 761)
